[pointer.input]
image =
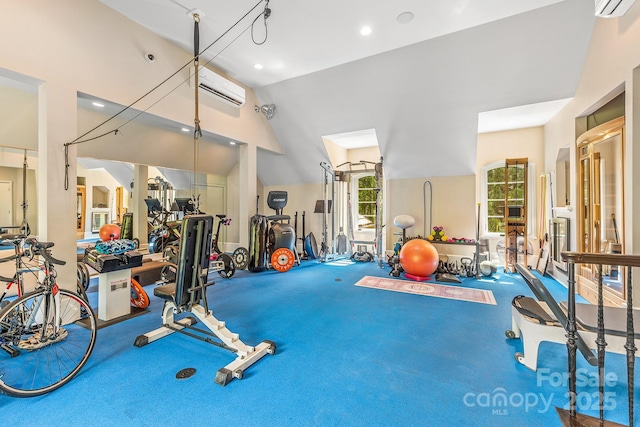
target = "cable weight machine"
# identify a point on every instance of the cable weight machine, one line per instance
(337, 208)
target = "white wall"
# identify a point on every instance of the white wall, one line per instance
(18, 118)
(610, 65)
(75, 46)
(452, 204)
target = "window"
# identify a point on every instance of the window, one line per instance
(493, 187)
(367, 193)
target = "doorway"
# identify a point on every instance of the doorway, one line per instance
(81, 200)
(6, 203)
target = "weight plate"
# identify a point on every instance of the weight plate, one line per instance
(139, 297)
(282, 260)
(229, 267)
(241, 258)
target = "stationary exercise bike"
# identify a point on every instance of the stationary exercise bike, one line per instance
(281, 236)
(229, 267)
(240, 256)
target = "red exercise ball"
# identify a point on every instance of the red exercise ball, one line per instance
(109, 232)
(418, 257)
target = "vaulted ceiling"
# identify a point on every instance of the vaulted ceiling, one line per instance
(421, 85)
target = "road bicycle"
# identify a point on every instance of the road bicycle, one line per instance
(47, 334)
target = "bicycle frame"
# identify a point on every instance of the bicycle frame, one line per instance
(20, 268)
(46, 335)
(49, 290)
(47, 314)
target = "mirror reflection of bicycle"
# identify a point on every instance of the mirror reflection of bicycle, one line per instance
(164, 232)
(169, 248)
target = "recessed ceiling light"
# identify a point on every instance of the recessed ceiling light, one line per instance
(258, 66)
(97, 104)
(365, 31)
(405, 18)
(185, 129)
(232, 143)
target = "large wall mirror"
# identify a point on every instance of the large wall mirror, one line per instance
(105, 166)
(18, 151)
(105, 192)
(600, 218)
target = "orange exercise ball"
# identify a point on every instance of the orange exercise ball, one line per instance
(418, 257)
(109, 232)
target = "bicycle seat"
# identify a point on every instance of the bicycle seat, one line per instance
(221, 216)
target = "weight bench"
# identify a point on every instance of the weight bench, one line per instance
(546, 320)
(148, 273)
(188, 294)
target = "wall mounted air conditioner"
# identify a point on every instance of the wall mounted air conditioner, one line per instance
(217, 86)
(612, 8)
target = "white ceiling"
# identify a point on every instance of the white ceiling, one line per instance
(304, 36)
(419, 85)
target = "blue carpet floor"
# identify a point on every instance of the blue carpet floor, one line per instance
(346, 356)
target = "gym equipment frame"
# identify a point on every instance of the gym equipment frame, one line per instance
(515, 216)
(188, 294)
(335, 195)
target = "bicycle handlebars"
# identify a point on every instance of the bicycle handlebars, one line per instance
(39, 248)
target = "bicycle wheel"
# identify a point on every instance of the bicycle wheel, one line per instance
(37, 356)
(84, 277)
(157, 244)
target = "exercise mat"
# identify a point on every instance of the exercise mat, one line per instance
(428, 289)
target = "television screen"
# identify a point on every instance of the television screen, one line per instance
(184, 204)
(515, 211)
(320, 205)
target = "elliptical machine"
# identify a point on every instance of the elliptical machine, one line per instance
(281, 236)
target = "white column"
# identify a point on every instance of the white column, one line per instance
(248, 183)
(632, 176)
(57, 125)
(139, 207)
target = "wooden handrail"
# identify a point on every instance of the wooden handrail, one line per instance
(601, 259)
(572, 259)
